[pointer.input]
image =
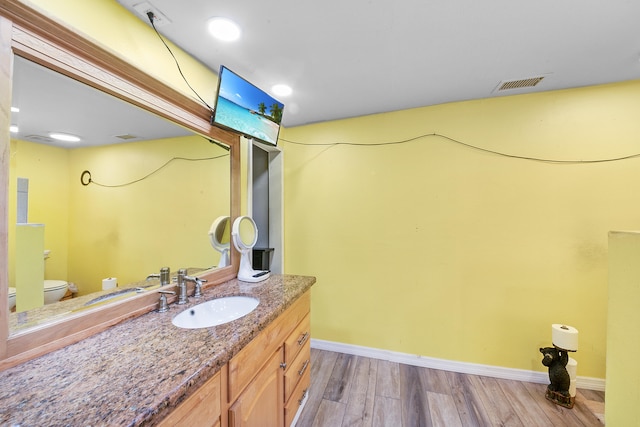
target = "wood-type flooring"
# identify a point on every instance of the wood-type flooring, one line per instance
(349, 390)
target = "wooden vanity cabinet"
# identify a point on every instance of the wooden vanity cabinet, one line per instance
(264, 375)
(200, 409)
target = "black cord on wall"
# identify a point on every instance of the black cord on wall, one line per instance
(474, 147)
(151, 17)
(86, 179)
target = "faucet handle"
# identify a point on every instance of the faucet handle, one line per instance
(163, 305)
(197, 293)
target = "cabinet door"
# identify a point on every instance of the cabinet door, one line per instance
(261, 403)
(200, 409)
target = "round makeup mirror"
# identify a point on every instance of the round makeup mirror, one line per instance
(219, 236)
(244, 234)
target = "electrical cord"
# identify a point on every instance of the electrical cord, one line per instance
(151, 17)
(474, 147)
(86, 178)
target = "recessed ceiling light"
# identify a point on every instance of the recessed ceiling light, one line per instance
(15, 110)
(224, 29)
(13, 128)
(282, 90)
(64, 137)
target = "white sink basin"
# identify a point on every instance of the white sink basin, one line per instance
(215, 312)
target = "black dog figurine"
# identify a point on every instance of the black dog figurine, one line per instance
(556, 360)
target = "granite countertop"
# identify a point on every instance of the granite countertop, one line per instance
(133, 373)
(44, 314)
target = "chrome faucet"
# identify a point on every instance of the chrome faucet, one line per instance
(182, 286)
(164, 274)
(182, 280)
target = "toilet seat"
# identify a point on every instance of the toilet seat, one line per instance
(54, 285)
(54, 290)
(12, 291)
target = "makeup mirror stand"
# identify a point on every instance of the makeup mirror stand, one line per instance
(244, 234)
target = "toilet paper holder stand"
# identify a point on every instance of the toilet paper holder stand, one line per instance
(562, 368)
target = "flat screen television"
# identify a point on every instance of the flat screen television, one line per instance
(244, 108)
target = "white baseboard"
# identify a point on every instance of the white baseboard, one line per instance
(453, 366)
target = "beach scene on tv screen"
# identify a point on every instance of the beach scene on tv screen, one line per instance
(247, 109)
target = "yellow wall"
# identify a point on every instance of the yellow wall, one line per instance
(623, 334)
(126, 232)
(437, 249)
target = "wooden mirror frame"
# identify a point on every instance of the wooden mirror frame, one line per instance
(29, 34)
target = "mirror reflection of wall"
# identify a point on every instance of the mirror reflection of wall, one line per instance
(135, 222)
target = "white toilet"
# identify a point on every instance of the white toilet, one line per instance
(54, 290)
(12, 298)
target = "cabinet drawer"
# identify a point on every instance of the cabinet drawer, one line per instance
(297, 340)
(298, 395)
(245, 364)
(296, 370)
(201, 408)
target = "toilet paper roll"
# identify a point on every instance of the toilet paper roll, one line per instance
(572, 368)
(564, 337)
(572, 388)
(109, 283)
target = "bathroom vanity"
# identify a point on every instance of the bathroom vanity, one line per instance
(146, 371)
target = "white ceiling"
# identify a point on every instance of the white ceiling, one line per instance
(346, 58)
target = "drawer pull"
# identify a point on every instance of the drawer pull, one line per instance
(304, 394)
(283, 365)
(303, 338)
(304, 368)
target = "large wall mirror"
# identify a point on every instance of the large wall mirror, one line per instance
(138, 193)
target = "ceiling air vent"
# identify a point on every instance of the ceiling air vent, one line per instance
(40, 139)
(126, 137)
(519, 84)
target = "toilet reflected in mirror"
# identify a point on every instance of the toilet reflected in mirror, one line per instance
(244, 234)
(219, 235)
(12, 298)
